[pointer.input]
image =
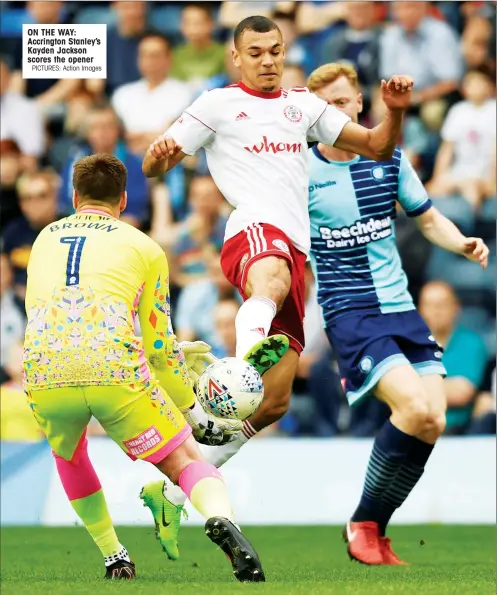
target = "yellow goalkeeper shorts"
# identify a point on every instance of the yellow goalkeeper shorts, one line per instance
(141, 418)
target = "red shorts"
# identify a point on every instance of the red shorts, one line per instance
(257, 241)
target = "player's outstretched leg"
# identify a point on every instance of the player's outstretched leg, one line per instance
(203, 485)
(253, 321)
(277, 383)
(158, 496)
(267, 353)
(220, 530)
(268, 282)
(83, 488)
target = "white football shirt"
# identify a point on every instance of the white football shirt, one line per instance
(143, 109)
(471, 129)
(256, 147)
(22, 122)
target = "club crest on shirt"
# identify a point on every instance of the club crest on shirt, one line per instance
(281, 245)
(378, 173)
(292, 113)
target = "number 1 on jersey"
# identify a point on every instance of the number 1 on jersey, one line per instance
(76, 244)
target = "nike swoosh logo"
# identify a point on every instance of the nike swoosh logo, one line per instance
(351, 535)
(164, 522)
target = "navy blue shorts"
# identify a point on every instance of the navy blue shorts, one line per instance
(369, 344)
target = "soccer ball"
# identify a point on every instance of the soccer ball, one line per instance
(230, 388)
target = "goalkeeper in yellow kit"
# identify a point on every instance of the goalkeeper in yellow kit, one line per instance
(89, 276)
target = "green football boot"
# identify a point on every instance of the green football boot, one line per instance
(167, 517)
(267, 353)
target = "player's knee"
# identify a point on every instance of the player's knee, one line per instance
(434, 428)
(436, 423)
(415, 411)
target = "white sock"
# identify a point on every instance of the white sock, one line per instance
(253, 322)
(217, 456)
(122, 554)
(174, 493)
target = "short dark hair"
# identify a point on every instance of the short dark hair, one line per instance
(100, 177)
(256, 23)
(157, 35)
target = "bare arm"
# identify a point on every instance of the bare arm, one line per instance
(185, 335)
(377, 143)
(163, 229)
(459, 391)
(152, 167)
(485, 403)
(444, 159)
(161, 212)
(194, 129)
(59, 92)
(443, 233)
(231, 13)
(489, 184)
(161, 156)
(17, 84)
(436, 91)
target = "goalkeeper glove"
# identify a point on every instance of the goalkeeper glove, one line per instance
(198, 357)
(208, 429)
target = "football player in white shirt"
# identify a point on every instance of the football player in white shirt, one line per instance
(255, 137)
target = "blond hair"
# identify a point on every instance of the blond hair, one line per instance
(329, 73)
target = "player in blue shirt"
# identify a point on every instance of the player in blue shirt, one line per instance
(383, 346)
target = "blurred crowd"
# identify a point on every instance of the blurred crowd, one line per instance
(161, 55)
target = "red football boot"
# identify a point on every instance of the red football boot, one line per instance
(389, 556)
(363, 542)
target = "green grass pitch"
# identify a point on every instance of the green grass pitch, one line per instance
(454, 560)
